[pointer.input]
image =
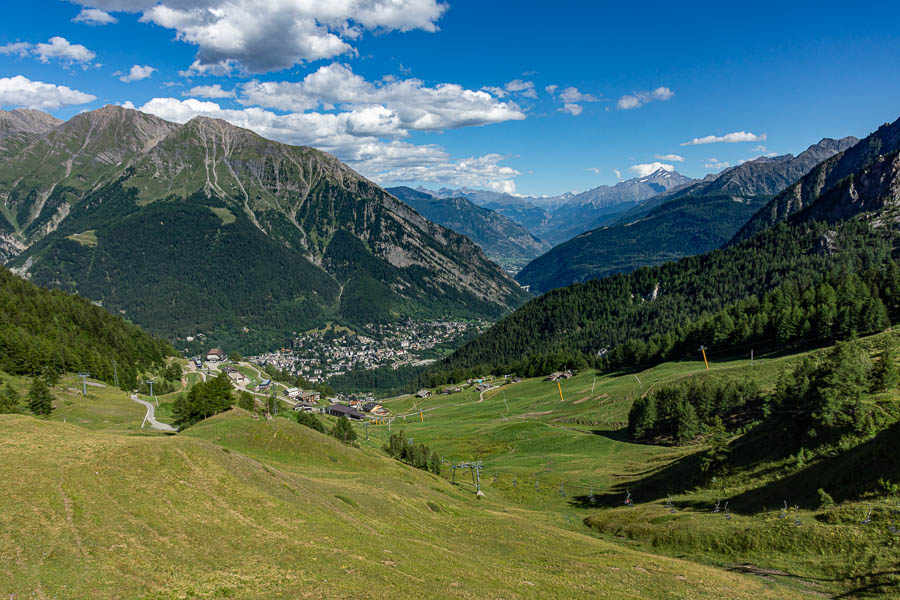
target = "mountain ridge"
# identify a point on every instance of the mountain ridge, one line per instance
(104, 167)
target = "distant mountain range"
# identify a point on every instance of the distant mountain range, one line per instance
(685, 220)
(559, 218)
(864, 173)
(497, 235)
(207, 227)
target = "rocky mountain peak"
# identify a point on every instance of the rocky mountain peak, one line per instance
(25, 120)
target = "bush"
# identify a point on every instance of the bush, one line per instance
(343, 431)
(310, 420)
(825, 499)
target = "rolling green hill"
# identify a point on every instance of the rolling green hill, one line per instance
(256, 509)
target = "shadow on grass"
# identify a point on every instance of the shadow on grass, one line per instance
(847, 476)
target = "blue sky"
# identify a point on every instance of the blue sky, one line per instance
(461, 93)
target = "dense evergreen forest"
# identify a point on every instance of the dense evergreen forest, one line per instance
(820, 401)
(788, 283)
(47, 333)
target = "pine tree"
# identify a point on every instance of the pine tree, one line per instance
(9, 400)
(716, 456)
(886, 374)
(344, 431)
(687, 425)
(246, 401)
(40, 400)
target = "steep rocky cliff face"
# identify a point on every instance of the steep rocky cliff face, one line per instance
(827, 174)
(69, 192)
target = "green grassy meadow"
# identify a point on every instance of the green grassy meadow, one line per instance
(238, 507)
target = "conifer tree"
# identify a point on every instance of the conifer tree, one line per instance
(9, 400)
(344, 431)
(886, 374)
(40, 400)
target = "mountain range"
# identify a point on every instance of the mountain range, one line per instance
(832, 230)
(207, 227)
(499, 237)
(686, 220)
(559, 218)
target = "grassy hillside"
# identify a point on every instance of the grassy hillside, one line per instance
(246, 508)
(573, 457)
(256, 509)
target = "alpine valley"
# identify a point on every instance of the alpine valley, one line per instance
(209, 228)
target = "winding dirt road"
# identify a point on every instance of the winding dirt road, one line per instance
(150, 418)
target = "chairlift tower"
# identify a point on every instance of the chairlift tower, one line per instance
(150, 383)
(84, 377)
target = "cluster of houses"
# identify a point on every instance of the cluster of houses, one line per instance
(320, 355)
(235, 375)
(303, 399)
(357, 409)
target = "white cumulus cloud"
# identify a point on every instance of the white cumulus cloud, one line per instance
(525, 88)
(571, 98)
(21, 49)
(58, 48)
(209, 91)
(714, 163)
(94, 16)
(21, 92)
(644, 169)
(728, 138)
(638, 99)
(414, 105)
(260, 36)
(137, 72)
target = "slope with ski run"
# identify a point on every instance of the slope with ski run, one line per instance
(238, 507)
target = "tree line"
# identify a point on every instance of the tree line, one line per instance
(49, 333)
(780, 286)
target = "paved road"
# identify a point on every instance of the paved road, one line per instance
(150, 418)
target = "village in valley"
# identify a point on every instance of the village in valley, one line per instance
(332, 351)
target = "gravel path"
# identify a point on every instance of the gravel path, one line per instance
(150, 418)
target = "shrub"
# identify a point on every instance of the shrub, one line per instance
(343, 431)
(310, 420)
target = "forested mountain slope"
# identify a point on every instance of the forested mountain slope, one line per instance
(496, 234)
(44, 332)
(594, 318)
(673, 230)
(206, 227)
